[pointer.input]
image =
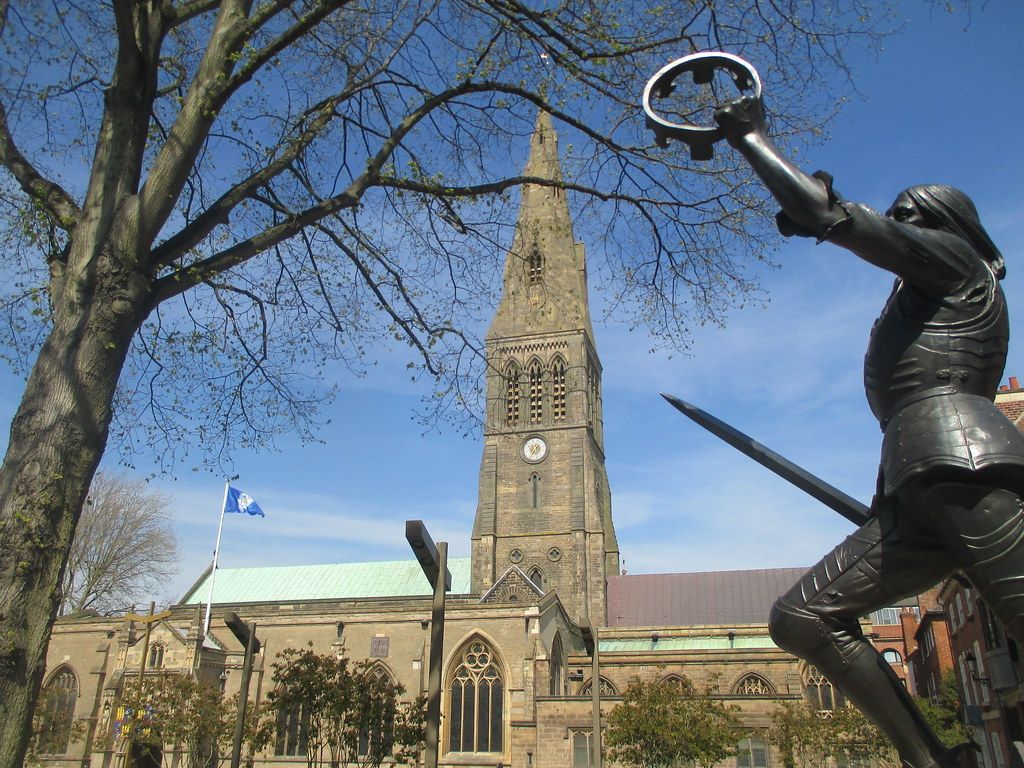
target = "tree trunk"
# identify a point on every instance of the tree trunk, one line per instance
(57, 439)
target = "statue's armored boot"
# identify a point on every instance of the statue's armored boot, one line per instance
(848, 660)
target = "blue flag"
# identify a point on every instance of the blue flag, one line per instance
(238, 501)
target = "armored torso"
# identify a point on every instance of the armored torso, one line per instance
(921, 345)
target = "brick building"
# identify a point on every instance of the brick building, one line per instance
(989, 673)
(543, 580)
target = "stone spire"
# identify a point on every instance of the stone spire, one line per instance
(545, 284)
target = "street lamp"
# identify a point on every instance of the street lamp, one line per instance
(972, 668)
(434, 562)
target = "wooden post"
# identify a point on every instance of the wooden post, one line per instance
(243, 697)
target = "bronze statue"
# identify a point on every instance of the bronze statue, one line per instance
(951, 480)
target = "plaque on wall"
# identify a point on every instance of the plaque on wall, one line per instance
(379, 647)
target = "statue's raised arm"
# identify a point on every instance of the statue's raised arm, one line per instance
(951, 476)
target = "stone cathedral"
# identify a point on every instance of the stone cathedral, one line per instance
(542, 585)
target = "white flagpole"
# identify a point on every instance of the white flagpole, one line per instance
(216, 554)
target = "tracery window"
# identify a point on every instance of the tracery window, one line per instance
(377, 740)
(678, 682)
(819, 691)
(754, 685)
(582, 747)
(607, 689)
(156, 656)
(535, 265)
(291, 732)
(476, 722)
(536, 376)
(58, 705)
(512, 394)
(558, 392)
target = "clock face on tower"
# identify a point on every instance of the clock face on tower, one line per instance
(535, 449)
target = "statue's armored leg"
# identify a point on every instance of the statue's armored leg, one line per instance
(818, 621)
(983, 529)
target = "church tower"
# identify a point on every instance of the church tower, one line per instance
(545, 505)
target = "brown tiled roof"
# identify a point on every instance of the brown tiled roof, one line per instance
(716, 597)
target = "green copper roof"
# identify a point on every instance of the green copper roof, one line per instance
(692, 643)
(342, 581)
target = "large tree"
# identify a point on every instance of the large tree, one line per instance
(206, 202)
(123, 547)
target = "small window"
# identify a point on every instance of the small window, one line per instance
(892, 656)
(156, 656)
(535, 265)
(537, 578)
(752, 753)
(535, 490)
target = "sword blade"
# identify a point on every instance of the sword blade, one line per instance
(829, 495)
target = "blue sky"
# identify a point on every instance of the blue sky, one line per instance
(940, 106)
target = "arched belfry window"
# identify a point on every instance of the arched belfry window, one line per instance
(512, 394)
(819, 691)
(558, 410)
(477, 702)
(536, 376)
(535, 265)
(58, 712)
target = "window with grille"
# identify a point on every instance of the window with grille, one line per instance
(558, 409)
(58, 707)
(291, 732)
(536, 376)
(754, 685)
(512, 394)
(535, 265)
(752, 753)
(476, 720)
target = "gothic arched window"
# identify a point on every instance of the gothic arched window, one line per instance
(537, 577)
(557, 667)
(376, 741)
(607, 689)
(477, 701)
(58, 707)
(535, 374)
(819, 691)
(535, 265)
(558, 409)
(512, 394)
(753, 685)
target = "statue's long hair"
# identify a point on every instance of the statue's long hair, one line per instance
(950, 210)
